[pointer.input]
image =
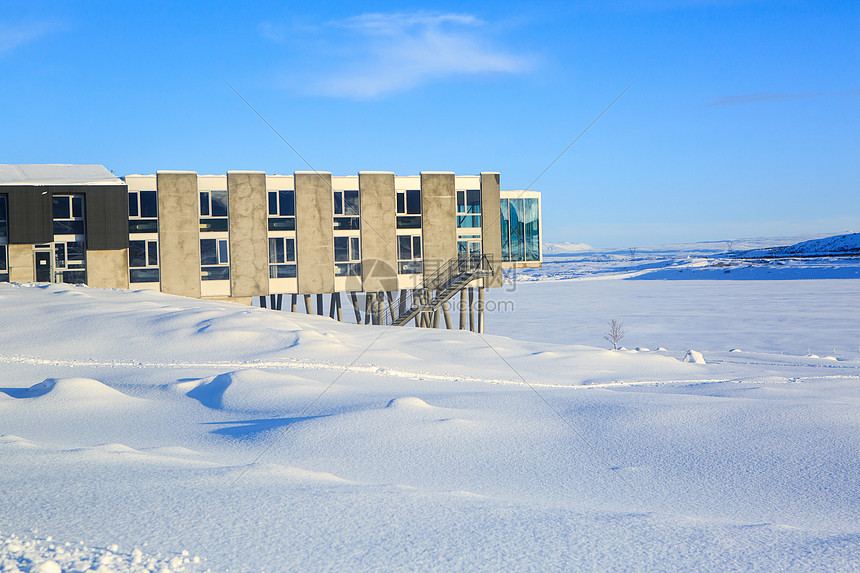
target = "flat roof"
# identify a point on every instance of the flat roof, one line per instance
(56, 174)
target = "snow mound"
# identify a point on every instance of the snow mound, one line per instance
(76, 390)
(694, 357)
(249, 390)
(409, 403)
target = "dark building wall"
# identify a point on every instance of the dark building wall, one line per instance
(31, 219)
(106, 216)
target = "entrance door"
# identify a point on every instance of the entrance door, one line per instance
(43, 267)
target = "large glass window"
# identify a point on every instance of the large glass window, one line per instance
(142, 212)
(282, 210)
(347, 256)
(409, 254)
(213, 211)
(143, 261)
(469, 208)
(409, 209)
(68, 214)
(346, 211)
(214, 260)
(282, 258)
(4, 216)
(70, 261)
(520, 230)
(4, 264)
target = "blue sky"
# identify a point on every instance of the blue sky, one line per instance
(743, 118)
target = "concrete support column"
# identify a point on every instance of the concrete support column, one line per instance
(309, 307)
(462, 309)
(481, 309)
(248, 226)
(447, 315)
(471, 310)
(293, 302)
(314, 232)
(179, 232)
(354, 298)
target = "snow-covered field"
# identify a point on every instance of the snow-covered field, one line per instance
(145, 432)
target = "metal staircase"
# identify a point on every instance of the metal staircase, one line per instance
(448, 280)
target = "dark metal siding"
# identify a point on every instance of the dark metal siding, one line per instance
(107, 217)
(31, 218)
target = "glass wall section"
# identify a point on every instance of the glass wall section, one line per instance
(70, 260)
(282, 258)
(4, 239)
(409, 209)
(409, 260)
(142, 212)
(143, 261)
(347, 256)
(469, 208)
(214, 260)
(346, 214)
(282, 210)
(213, 211)
(520, 224)
(531, 231)
(506, 229)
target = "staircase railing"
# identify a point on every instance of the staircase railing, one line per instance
(437, 288)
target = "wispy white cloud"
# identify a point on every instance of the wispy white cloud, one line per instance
(12, 36)
(381, 53)
(763, 97)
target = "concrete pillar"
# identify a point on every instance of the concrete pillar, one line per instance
(179, 232)
(471, 309)
(294, 298)
(378, 231)
(354, 298)
(368, 303)
(439, 219)
(481, 309)
(462, 309)
(338, 307)
(22, 265)
(447, 315)
(248, 226)
(314, 232)
(491, 226)
(309, 307)
(108, 268)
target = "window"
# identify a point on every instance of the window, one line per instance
(282, 210)
(4, 265)
(70, 260)
(4, 255)
(68, 214)
(4, 229)
(143, 261)
(469, 208)
(409, 209)
(520, 230)
(213, 211)
(214, 260)
(346, 211)
(347, 256)
(282, 251)
(409, 254)
(142, 212)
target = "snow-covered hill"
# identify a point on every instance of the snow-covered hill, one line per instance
(140, 430)
(838, 245)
